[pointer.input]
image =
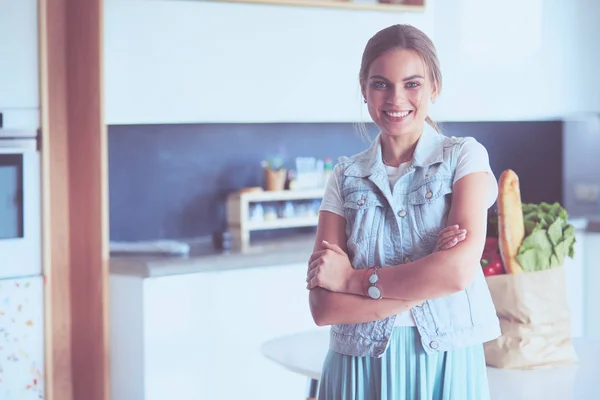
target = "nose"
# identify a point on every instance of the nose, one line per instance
(396, 96)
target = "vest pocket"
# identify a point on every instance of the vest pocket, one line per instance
(431, 204)
(364, 219)
(363, 211)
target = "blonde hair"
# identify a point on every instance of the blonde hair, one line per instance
(405, 37)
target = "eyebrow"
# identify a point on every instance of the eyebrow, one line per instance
(409, 78)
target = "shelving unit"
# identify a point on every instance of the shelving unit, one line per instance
(409, 6)
(238, 213)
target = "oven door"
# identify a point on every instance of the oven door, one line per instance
(20, 208)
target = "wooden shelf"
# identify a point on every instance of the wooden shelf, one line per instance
(282, 195)
(281, 223)
(238, 219)
(347, 5)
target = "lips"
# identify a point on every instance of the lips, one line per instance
(397, 116)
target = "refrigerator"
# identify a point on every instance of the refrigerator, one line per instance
(21, 280)
(21, 338)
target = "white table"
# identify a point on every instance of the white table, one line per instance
(304, 353)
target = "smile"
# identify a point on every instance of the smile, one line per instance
(397, 115)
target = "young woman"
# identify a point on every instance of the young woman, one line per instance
(408, 321)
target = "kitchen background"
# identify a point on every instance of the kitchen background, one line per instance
(198, 93)
(199, 116)
(201, 164)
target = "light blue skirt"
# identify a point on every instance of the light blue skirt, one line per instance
(406, 372)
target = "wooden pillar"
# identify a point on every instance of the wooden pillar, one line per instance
(75, 214)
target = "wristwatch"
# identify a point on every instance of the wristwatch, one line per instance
(373, 291)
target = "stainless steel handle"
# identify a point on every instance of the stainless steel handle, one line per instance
(29, 144)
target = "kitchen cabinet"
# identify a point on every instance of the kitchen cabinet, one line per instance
(19, 90)
(21, 339)
(199, 336)
(592, 285)
(575, 269)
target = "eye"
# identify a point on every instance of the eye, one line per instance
(412, 85)
(379, 85)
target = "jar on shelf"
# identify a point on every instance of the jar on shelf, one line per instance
(270, 212)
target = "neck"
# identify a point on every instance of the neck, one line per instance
(396, 150)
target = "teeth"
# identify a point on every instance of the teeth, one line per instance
(397, 114)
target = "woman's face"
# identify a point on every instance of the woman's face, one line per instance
(398, 90)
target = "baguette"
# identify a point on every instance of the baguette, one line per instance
(511, 228)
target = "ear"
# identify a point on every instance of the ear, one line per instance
(363, 90)
(434, 94)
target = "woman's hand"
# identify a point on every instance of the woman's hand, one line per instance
(329, 268)
(449, 237)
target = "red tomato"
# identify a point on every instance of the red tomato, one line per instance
(497, 265)
(492, 266)
(490, 270)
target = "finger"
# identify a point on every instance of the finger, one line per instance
(333, 247)
(445, 240)
(450, 233)
(311, 274)
(315, 264)
(316, 255)
(448, 245)
(449, 228)
(313, 283)
(457, 237)
(452, 241)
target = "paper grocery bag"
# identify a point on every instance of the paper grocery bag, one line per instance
(534, 319)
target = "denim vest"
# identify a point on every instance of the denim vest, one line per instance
(385, 229)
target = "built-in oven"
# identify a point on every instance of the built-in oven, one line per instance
(20, 204)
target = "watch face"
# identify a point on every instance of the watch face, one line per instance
(374, 292)
(373, 279)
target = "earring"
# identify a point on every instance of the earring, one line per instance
(365, 100)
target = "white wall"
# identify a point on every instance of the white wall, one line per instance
(509, 61)
(190, 61)
(588, 12)
(19, 95)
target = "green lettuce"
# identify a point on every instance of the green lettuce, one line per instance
(549, 238)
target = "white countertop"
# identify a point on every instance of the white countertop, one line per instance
(303, 353)
(288, 250)
(203, 258)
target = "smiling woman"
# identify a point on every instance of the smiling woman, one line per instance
(395, 269)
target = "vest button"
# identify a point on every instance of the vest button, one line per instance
(402, 213)
(428, 195)
(434, 345)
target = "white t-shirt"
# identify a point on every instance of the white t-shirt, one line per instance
(473, 157)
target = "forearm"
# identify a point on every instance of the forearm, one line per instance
(329, 308)
(436, 275)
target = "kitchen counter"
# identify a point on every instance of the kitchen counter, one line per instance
(169, 314)
(178, 322)
(263, 253)
(203, 258)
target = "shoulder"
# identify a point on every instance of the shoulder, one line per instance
(347, 160)
(355, 165)
(466, 147)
